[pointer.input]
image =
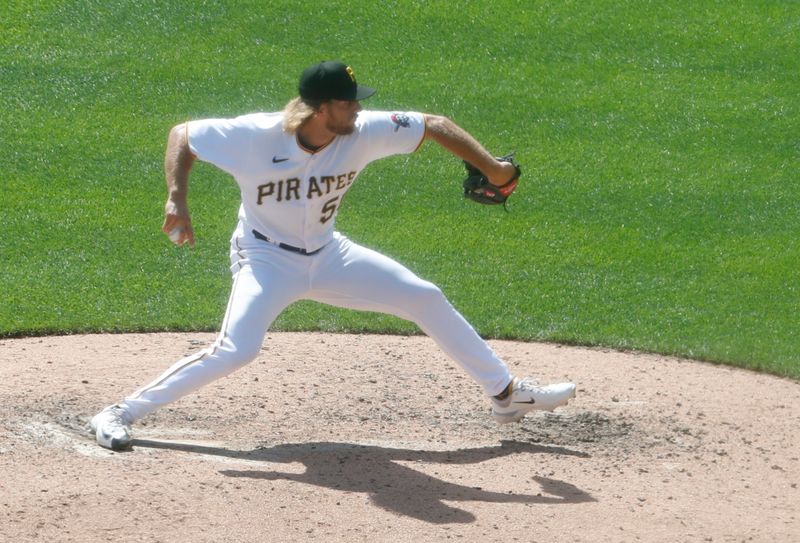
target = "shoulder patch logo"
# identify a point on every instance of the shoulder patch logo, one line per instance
(400, 120)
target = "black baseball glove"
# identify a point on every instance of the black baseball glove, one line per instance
(478, 188)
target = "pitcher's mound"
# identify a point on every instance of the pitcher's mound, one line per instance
(382, 438)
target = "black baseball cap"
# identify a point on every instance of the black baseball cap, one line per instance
(332, 80)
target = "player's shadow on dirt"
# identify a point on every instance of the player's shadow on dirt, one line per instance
(394, 486)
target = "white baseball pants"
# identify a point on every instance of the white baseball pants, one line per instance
(266, 279)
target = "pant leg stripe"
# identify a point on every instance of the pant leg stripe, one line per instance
(198, 357)
(189, 361)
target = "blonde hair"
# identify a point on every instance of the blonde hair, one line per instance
(298, 111)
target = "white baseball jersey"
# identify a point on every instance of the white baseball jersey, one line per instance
(289, 193)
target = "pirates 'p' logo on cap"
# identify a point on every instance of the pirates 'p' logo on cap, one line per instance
(349, 71)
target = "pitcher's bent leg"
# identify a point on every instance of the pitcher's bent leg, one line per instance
(251, 310)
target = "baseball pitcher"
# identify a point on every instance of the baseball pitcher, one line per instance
(293, 169)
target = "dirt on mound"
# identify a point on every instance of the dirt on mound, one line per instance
(382, 438)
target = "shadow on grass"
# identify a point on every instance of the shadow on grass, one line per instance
(392, 486)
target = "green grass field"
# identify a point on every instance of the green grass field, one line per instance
(659, 143)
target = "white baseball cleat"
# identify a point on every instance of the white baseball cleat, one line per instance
(527, 396)
(111, 428)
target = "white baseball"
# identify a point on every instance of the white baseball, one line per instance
(175, 234)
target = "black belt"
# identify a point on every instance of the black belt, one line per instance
(292, 248)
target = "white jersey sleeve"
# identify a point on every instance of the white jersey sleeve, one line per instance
(386, 133)
(227, 143)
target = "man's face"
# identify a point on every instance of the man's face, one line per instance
(341, 115)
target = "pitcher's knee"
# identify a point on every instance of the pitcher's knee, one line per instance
(425, 296)
(236, 354)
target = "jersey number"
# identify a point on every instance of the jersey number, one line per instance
(329, 209)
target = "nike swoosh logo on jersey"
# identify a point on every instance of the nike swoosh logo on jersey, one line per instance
(275, 159)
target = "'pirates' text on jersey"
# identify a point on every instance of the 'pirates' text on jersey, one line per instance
(290, 194)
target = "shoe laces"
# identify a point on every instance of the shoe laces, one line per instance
(528, 383)
(117, 416)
